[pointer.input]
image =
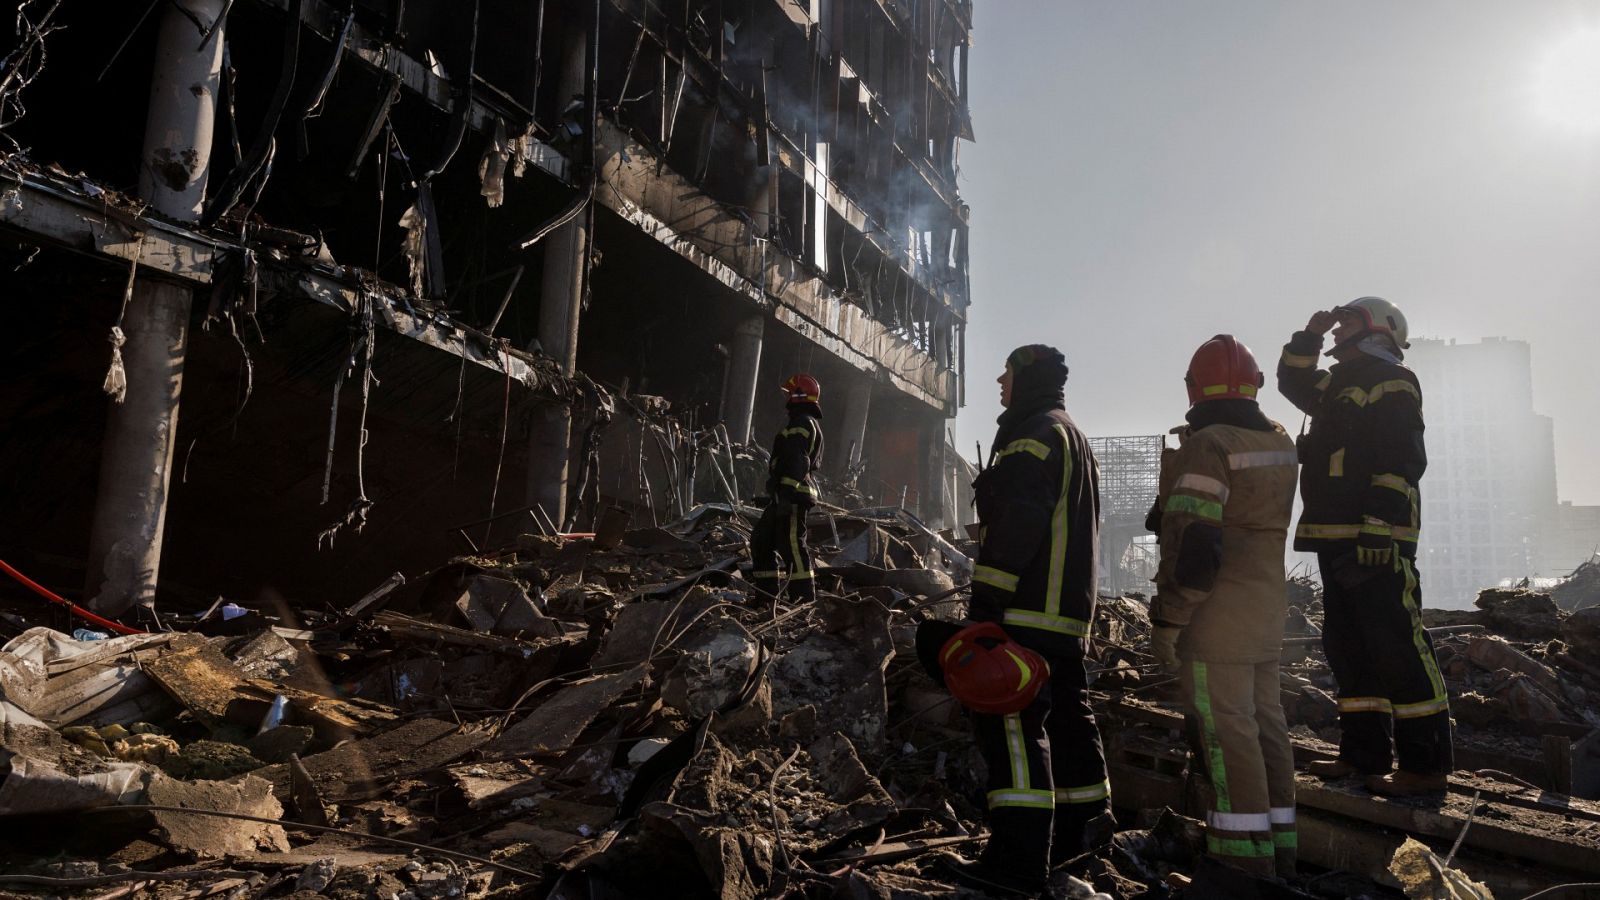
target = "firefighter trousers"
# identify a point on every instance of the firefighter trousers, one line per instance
(1241, 742)
(1392, 700)
(780, 536)
(1047, 774)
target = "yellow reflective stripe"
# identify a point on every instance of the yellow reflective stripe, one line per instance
(1017, 751)
(1341, 532)
(1060, 524)
(1255, 459)
(956, 645)
(1378, 391)
(1365, 704)
(1395, 386)
(1418, 710)
(1324, 381)
(1089, 793)
(765, 574)
(1205, 484)
(1027, 618)
(1245, 847)
(1381, 529)
(993, 577)
(798, 570)
(1211, 390)
(800, 487)
(1025, 445)
(1212, 744)
(1029, 799)
(1336, 463)
(1393, 483)
(1285, 840)
(1025, 674)
(1205, 509)
(1296, 361)
(1419, 638)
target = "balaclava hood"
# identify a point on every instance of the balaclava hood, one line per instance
(1038, 382)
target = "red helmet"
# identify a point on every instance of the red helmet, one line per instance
(802, 388)
(990, 673)
(1223, 369)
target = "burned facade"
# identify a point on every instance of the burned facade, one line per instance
(401, 279)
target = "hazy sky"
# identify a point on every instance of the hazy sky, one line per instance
(1148, 174)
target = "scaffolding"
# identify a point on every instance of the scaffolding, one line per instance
(1130, 472)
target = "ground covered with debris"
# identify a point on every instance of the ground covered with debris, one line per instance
(601, 715)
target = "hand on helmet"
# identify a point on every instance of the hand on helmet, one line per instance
(1322, 321)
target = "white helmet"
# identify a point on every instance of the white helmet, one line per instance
(1382, 317)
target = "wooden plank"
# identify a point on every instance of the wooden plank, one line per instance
(1335, 842)
(360, 769)
(211, 687)
(1534, 835)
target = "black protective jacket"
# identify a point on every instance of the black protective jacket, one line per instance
(1363, 456)
(796, 453)
(1039, 509)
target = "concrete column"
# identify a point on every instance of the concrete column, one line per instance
(739, 395)
(932, 501)
(560, 306)
(130, 512)
(853, 433)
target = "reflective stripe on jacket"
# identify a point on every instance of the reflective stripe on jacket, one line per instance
(1039, 508)
(796, 453)
(1364, 454)
(1226, 498)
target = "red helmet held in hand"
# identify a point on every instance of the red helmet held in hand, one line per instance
(802, 388)
(1223, 369)
(990, 673)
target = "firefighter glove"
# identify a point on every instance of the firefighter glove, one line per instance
(1375, 544)
(1164, 646)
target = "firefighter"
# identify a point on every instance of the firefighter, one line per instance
(780, 533)
(1225, 500)
(1038, 504)
(1361, 462)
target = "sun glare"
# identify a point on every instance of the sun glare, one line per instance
(1568, 88)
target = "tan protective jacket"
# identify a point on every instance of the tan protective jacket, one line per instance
(1226, 498)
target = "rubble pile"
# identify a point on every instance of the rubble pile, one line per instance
(600, 714)
(1581, 589)
(581, 713)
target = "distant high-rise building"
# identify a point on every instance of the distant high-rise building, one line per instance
(1489, 495)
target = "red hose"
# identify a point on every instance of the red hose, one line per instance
(53, 597)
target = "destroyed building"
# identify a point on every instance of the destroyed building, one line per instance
(466, 289)
(370, 280)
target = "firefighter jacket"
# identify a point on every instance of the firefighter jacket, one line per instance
(1039, 509)
(1363, 455)
(796, 453)
(1226, 498)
